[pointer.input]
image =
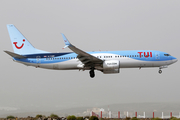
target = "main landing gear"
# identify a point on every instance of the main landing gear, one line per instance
(92, 74)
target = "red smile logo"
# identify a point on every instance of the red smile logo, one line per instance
(15, 43)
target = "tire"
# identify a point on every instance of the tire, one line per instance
(92, 74)
(160, 71)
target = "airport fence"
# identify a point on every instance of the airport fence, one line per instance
(132, 114)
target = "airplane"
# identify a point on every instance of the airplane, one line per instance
(108, 62)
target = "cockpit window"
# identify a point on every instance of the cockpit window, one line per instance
(167, 55)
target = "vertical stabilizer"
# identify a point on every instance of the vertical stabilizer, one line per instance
(19, 43)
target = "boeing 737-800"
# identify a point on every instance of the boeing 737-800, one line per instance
(108, 62)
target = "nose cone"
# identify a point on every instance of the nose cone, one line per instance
(174, 59)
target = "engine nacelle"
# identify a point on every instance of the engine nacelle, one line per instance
(111, 66)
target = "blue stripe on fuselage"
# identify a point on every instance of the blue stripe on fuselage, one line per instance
(45, 55)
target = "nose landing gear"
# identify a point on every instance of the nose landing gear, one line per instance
(162, 67)
(160, 71)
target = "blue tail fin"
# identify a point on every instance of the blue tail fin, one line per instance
(20, 44)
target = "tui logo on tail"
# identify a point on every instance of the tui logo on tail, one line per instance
(15, 43)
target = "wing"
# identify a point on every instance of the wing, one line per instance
(87, 59)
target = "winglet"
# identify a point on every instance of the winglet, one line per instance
(67, 43)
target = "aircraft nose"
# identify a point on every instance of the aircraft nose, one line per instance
(174, 59)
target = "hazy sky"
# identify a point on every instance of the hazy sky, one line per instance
(92, 26)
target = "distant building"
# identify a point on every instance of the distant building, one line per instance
(96, 110)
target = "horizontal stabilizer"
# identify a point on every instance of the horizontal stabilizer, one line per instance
(15, 55)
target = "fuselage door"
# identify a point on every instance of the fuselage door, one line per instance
(157, 56)
(38, 59)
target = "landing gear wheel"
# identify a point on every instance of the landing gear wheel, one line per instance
(160, 71)
(92, 74)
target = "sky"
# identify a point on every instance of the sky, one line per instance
(91, 26)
